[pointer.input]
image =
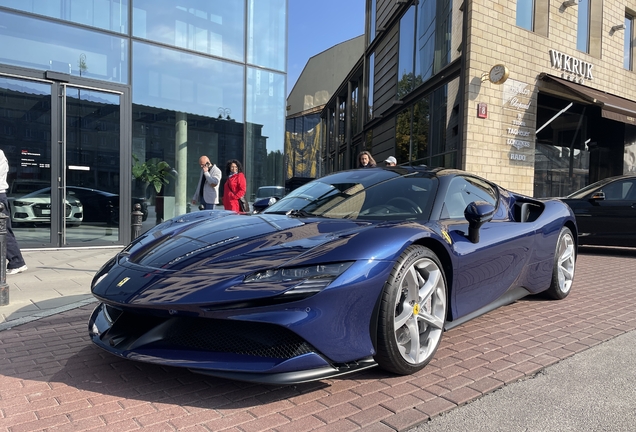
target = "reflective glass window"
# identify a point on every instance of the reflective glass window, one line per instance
(370, 79)
(186, 82)
(25, 134)
(583, 26)
(184, 106)
(38, 44)
(372, 26)
(342, 123)
(628, 46)
(105, 14)
(525, 14)
(267, 33)
(302, 146)
(213, 27)
(566, 148)
(355, 125)
(428, 132)
(434, 25)
(265, 128)
(331, 125)
(406, 55)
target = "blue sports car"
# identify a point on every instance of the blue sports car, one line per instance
(356, 269)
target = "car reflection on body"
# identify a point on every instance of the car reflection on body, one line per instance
(266, 196)
(35, 208)
(356, 269)
(102, 206)
(95, 206)
(606, 211)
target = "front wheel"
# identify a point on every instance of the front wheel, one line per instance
(412, 312)
(564, 263)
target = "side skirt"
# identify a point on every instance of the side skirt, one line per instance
(509, 297)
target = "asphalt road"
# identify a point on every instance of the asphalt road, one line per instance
(592, 391)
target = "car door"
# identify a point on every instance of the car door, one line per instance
(485, 270)
(610, 217)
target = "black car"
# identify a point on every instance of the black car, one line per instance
(266, 196)
(606, 211)
(101, 206)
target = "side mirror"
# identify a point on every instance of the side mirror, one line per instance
(477, 213)
(598, 196)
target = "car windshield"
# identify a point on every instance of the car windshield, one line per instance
(270, 191)
(362, 194)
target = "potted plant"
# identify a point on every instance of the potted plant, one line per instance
(153, 172)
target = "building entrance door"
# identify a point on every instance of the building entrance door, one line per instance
(64, 144)
(88, 190)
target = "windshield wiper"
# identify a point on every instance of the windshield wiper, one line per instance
(299, 213)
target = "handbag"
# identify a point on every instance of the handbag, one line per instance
(243, 205)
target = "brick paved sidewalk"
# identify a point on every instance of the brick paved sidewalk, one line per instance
(53, 378)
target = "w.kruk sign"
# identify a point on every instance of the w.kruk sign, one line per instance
(571, 65)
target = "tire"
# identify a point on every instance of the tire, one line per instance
(412, 312)
(564, 263)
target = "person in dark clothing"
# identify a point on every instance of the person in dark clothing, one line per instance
(15, 260)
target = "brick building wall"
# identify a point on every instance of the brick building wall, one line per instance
(493, 147)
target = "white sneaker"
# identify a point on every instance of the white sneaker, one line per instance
(17, 270)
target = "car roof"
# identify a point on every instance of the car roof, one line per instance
(586, 189)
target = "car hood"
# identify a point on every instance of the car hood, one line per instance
(205, 259)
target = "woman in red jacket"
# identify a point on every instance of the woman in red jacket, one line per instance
(235, 185)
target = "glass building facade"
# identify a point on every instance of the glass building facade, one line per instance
(409, 86)
(105, 104)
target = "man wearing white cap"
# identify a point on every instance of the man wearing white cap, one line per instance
(390, 161)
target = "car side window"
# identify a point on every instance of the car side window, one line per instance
(631, 195)
(463, 191)
(620, 190)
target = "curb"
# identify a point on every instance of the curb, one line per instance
(45, 313)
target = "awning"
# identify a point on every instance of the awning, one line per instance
(612, 107)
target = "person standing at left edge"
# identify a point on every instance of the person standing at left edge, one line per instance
(207, 192)
(15, 263)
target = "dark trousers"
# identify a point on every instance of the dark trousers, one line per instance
(206, 206)
(14, 256)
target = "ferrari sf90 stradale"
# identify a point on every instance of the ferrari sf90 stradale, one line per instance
(356, 269)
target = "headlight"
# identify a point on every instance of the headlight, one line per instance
(312, 279)
(22, 203)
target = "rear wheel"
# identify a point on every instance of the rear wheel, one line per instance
(564, 263)
(412, 312)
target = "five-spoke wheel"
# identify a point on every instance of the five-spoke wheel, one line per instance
(412, 312)
(564, 263)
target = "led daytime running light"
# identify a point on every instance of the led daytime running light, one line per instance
(327, 271)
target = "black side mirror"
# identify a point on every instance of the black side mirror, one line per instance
(598, 196)
(477, 213)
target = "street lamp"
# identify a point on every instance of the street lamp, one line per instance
(224, 112)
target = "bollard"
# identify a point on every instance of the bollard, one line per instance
(4, 287)
(137, 216)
